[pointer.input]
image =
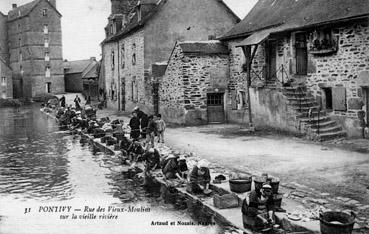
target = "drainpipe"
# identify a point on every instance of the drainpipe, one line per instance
(119, 82)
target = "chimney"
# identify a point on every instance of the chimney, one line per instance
(14, 5)
(93, 59)
(53, 2)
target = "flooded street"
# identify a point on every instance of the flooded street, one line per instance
(42, 167)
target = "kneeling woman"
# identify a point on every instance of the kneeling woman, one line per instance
(258, 208)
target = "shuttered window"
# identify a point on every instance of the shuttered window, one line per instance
(339, 98)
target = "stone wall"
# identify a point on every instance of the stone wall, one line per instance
(346, 68)
(136, 82)
(188, 79)
(111, 73)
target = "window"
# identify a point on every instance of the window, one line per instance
(21, 70)
(111, 29)
(48, 87)
(46, 42)
(3, 95)
(134, 54)
(19, 27)
(112, 60)
(3, 81)
(47, 57)
(20, 55)
(134, 91)
(123, 57)
(44, 12)
(48, 71)
(20, 42)
(215, 99)
(46, 29)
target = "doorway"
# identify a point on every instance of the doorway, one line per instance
(327, 99)
(215, 107)
(123, 96)
(272, 60)
(301, 54)
(155, 92)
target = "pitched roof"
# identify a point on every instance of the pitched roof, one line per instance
(134, 23)
(26, 9)
(147, 14)
(77, 66)
(203, 47)
(91, 71)
(297, 14)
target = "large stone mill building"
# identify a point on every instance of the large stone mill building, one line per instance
(141, 33)
(34, 48)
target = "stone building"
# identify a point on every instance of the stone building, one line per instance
(142, 33)
(6, 82)
(310, 66)
(194, 86)
(35, 48)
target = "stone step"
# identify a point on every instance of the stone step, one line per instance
(330, 136)
(302, 103)
(302, 99)
(291, 94)
(305, 108)
(314, 119)
(314, 113)
(324, 124)
(329, 129)
(295, 89)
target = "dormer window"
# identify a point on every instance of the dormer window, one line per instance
(139, 13)
(44, 12)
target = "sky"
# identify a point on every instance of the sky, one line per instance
(83, 23)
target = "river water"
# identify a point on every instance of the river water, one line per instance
(44, 170)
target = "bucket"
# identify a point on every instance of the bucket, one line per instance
(334, 222)
(240, 186)
(258, 182)
(274, 183)
(277, 198)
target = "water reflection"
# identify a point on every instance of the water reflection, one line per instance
(42, 166)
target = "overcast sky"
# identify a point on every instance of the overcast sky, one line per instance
(83, 23)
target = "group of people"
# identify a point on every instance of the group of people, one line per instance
(257, 208)
(147, 127)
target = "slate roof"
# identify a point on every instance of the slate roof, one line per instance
(203, 47)
(147, 14)
(24, 10)
(91, 71)
(297, 14)
(77, 66)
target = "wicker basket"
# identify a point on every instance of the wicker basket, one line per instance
(240, 186)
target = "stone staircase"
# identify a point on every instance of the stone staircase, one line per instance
(316, 124)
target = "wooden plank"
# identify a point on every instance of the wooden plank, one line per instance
(339, 98)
